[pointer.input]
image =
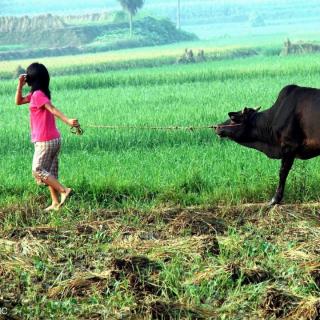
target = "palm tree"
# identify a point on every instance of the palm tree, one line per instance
(132, 7)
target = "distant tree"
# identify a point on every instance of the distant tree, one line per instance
(132, 7)
(19, 70)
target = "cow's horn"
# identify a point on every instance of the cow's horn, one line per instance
(257, 109)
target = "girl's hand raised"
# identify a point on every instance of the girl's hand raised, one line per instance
(22, 80)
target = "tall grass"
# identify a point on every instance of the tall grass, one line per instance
(124, 167)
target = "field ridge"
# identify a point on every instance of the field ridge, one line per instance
(142, 256)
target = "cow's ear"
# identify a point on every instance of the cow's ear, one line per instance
(245, 110)
(232, 115)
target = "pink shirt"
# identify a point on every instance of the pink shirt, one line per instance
(42, 121)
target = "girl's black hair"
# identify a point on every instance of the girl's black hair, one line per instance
(38, 78)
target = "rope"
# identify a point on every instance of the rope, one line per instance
(79, 131)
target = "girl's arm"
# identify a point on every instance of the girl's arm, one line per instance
(19, 98)
(56, 112)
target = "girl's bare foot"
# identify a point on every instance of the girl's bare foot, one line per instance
(54, 206)
(64, 196)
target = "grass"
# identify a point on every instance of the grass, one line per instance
(178, 166)
(221, 263)
(121, 59)
(160, 225)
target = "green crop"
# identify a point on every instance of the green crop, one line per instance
(117, 167)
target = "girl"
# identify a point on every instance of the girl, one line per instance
(44, 133)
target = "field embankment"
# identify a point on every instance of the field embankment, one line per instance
(49, 35)
(131, 59)
(241, 262)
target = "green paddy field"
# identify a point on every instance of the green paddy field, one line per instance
(128, 167)
(163, 224)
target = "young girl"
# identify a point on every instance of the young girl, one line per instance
(44, 133)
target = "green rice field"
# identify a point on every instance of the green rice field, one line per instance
(163, 224)
(116, 168)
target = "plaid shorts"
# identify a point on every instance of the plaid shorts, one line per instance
(45, 160)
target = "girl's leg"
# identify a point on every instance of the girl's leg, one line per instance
(52, 182)
(64, 192)
(54, 195)
(64, 196)
(53, 178)
(55, 200)
(45, 169)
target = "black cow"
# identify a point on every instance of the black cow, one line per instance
(289, 129)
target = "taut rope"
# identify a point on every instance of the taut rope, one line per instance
(79, 131)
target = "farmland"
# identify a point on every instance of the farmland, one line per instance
(163, 224)
(177, 165)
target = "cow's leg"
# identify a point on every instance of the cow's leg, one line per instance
(286, 164)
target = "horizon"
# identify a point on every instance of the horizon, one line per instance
(207, 19)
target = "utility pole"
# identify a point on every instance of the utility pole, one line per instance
(178, 16)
